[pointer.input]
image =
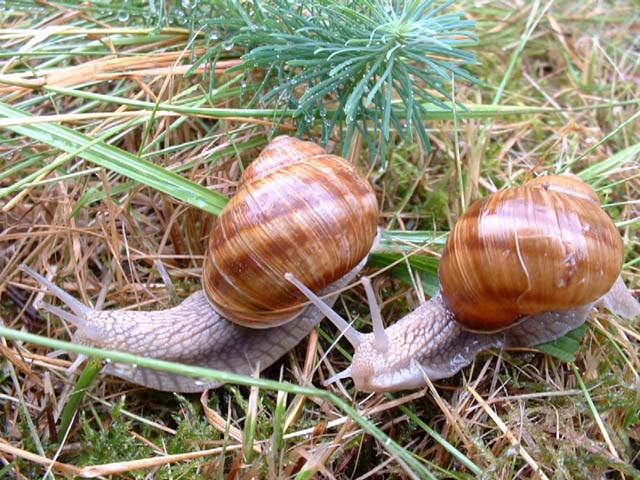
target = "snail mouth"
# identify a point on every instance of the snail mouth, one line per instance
(408, 378)
(368, 381)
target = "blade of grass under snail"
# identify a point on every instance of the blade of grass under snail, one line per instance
(594, 411)
(117, 160)
(277, 437)
(566, 347)
(89, 374)
(206, 374)
(250, 422)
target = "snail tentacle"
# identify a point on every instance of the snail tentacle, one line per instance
(379, 334)
(351, 334)
(80, 313)
(620, 301)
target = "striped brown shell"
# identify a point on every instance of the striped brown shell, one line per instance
(545, 246)
(297, 210)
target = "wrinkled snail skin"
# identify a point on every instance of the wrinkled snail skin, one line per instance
(428, 343)
(201, 336)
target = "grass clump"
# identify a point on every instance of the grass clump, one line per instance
(89, 89)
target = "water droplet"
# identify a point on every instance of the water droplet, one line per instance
(561, 283)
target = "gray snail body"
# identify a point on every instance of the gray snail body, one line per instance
(443, 346)
(429, 342)
(193, 333)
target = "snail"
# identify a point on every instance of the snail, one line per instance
(297, 209)
(521, 267)
(545, 252)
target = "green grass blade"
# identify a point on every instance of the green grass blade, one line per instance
(117, 160)
(89, 374)
(596, 173)
(207, 374)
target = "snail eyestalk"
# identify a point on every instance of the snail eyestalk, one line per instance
(380, 336)
(81, 312)
(351, 334)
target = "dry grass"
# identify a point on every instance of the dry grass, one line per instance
(512, 414)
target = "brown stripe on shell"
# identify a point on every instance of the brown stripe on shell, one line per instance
(276, 154)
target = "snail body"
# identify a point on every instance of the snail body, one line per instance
(192, 333)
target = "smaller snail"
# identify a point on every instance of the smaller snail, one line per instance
(297, 210)
(521, 267)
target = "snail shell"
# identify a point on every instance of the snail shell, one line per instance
(297, 210)
(545, 246)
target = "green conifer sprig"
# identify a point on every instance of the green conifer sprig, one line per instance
(363, 65)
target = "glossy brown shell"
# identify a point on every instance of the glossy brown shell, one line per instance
(545, 246)
(298, 210)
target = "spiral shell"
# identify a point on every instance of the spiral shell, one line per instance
(297, 210)
(545, 246)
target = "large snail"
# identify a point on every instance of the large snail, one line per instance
(297, 210)
(546, 251)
